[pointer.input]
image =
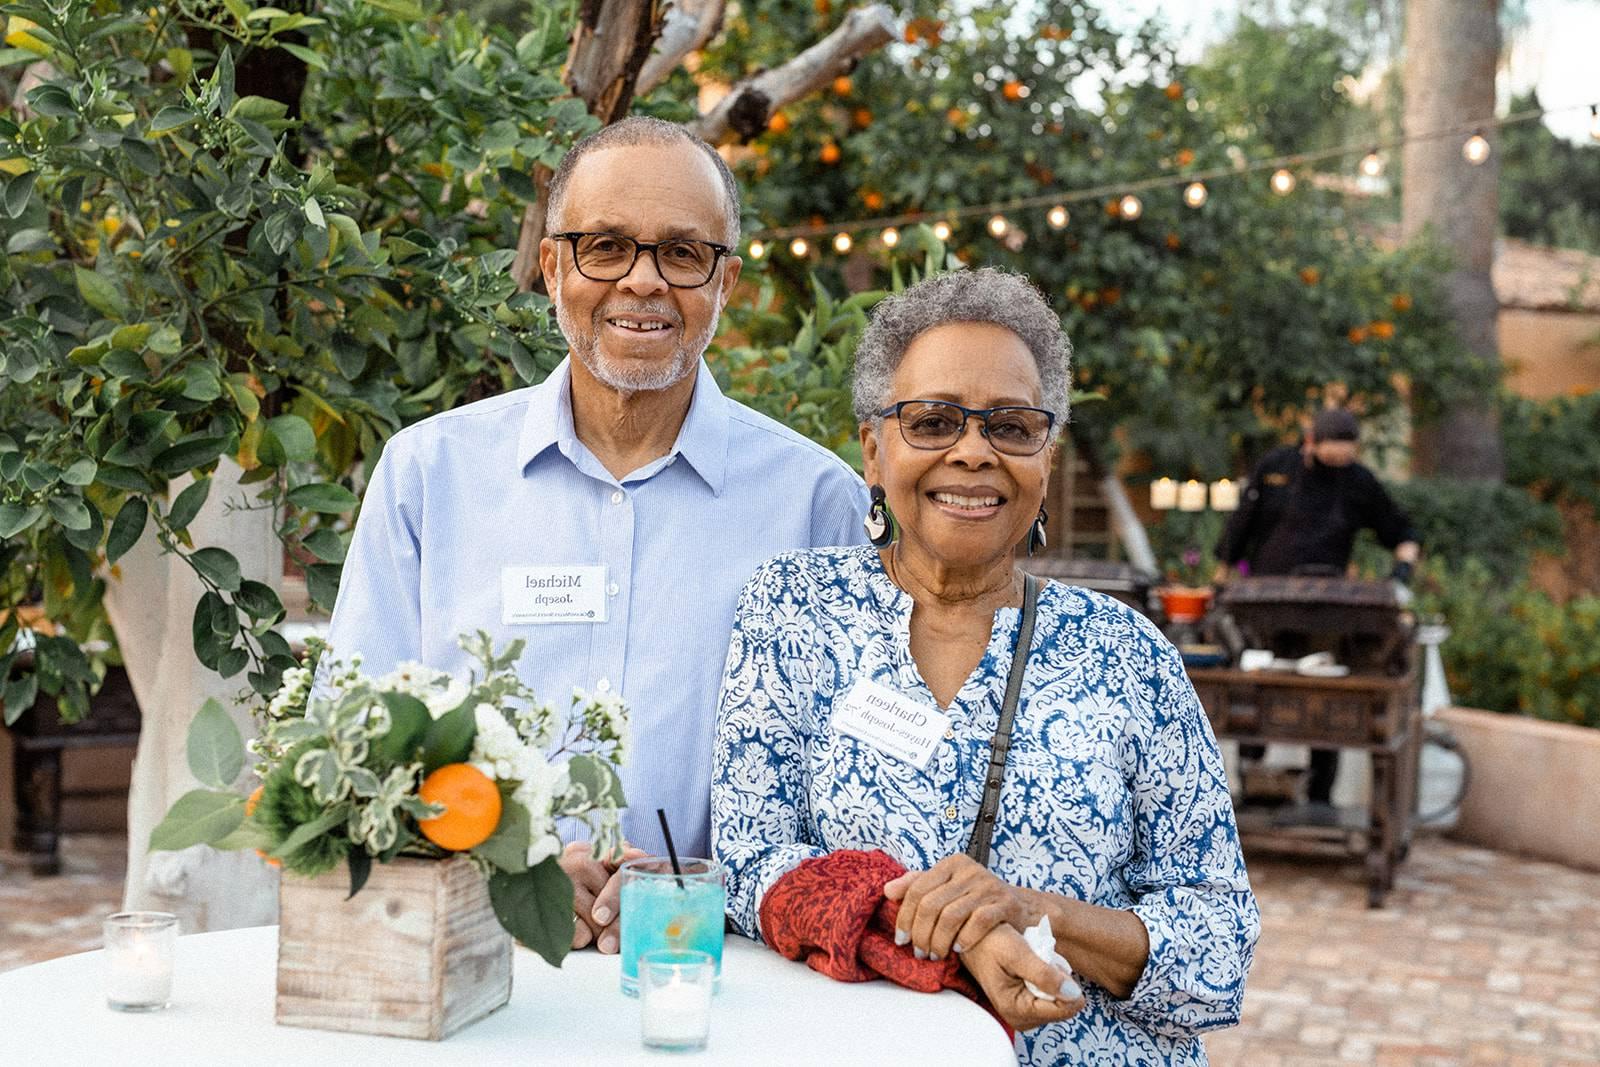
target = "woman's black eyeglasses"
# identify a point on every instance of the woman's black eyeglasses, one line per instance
(936, 424)
(682, 262)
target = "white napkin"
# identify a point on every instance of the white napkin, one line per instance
(1043, 943)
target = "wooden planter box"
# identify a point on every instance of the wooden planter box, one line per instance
(417, 953)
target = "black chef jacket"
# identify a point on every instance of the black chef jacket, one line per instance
(1293, 516)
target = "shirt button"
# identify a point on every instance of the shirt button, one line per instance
(950, 812)
(604, 686)
(950, 734)
(616, 497)
(611, 590)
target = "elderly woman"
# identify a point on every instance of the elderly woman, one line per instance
(865, 707)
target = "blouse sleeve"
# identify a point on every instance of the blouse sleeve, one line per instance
(1186, 872)
(757, 779)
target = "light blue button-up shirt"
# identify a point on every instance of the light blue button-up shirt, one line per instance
(505, 482)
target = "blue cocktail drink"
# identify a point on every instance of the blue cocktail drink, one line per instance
(663, 910)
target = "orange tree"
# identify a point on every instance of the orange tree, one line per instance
(235, 231)
(1206, 330)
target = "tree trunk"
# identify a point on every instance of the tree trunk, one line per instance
(1452, 49)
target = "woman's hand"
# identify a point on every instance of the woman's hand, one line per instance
(954, 906)
(1001, 963)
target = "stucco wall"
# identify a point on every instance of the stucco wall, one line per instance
(1550, 353)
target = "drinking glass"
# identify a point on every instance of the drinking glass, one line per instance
(663, 909)
(139, 949)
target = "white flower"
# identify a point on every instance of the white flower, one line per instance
(436, 689)
(543, 848)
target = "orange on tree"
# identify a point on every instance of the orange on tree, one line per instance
(873, 199)
(778, 123)
(1310, 275)
(830, 153)
(1012, 90)
(841, 85)
(1173, 90)
(1401, 302)
(1184, 157)
(471, 804)
(861, 117)
(1382, 329)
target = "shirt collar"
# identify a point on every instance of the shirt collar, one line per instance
(702, 439)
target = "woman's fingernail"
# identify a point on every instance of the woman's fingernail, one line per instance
(608, 944)
(957, 948)
(602, 914)
(901, 937)
(919, 954)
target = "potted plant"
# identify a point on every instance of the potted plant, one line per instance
(436, 794)
(1185, 540)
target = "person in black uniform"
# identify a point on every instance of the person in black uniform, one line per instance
(1300, 514)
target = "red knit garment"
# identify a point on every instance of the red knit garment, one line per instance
(831, 912)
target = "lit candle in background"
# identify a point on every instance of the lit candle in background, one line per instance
(1163, 494)
(1192, 496)
(1224, 495)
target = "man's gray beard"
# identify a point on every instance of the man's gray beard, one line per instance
(632, 376)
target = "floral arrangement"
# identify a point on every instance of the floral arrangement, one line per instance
(355, 769)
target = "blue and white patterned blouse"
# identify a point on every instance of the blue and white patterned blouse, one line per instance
(1114, 791)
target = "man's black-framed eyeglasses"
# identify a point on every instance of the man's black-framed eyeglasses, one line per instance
(936, 424)
(682, 262)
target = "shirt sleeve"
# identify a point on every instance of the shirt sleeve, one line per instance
(839, 506)
(378, 612)
(758, 777)
(1391, 525)
(1187, 872)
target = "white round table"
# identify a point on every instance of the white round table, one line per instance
(770, 1011)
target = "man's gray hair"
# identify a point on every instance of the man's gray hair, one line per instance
(629, 132)
(988, 295)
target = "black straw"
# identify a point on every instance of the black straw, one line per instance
(672, 853)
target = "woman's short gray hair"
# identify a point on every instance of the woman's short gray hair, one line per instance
(986, 295)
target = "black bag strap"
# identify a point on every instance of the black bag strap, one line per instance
(983, 829)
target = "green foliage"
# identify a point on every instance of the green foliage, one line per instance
(248, 234)
(1553, 447)
(1207, 331)
(1512, 648)
(1498, 526)
(1185, 544)
(1549, 186)
(535, 905)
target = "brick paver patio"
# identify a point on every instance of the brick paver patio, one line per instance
(1478, 958)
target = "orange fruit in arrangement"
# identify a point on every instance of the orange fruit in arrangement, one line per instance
(830, 153)
(471, 807)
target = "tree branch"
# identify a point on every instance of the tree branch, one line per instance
(862, 31)
(688, 26)
(611, 44)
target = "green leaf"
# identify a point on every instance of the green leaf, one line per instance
(314, 213)
(325, 545)
(14, 518)
(408, 724)
(597, 778)
(69, 511)
(536, 908)
(190, 453)
(18, 191)
(81, 473)
(312, 830)
(232, 661)
(218, 566)
(322, 582)
(296, 437)
(189, 503)
(404, 9)
(360, 868)
(18, 696)
(449, 739)
(100, 293)
(200, 817)
(325, 497)
(507, 847)
(171, 118)
(126, 528)
(258, 600)
(215, 749)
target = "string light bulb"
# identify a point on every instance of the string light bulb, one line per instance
(1194, 194)
(1282, 181)
(1058, 217)
(1372, 164)
(998, 226)
(841, 243)
(1476, 150)
(941, 230)
(757, 249)
(890, 238)
(798, 248)
(1130, 207)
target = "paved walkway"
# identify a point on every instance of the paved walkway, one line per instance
(1478, 958)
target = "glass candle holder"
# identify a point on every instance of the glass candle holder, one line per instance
(139, 950)
(664, 909)
(675, 988)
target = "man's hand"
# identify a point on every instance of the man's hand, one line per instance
(954, 905)
(595, 886)
(1001, 963)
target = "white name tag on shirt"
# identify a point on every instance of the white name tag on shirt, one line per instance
(552, 594)
(891, 722)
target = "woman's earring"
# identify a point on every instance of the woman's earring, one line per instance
(880, 530)
(1036, 538)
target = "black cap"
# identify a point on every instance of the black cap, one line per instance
(1335, 424)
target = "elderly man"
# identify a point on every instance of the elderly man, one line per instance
(626, 477)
